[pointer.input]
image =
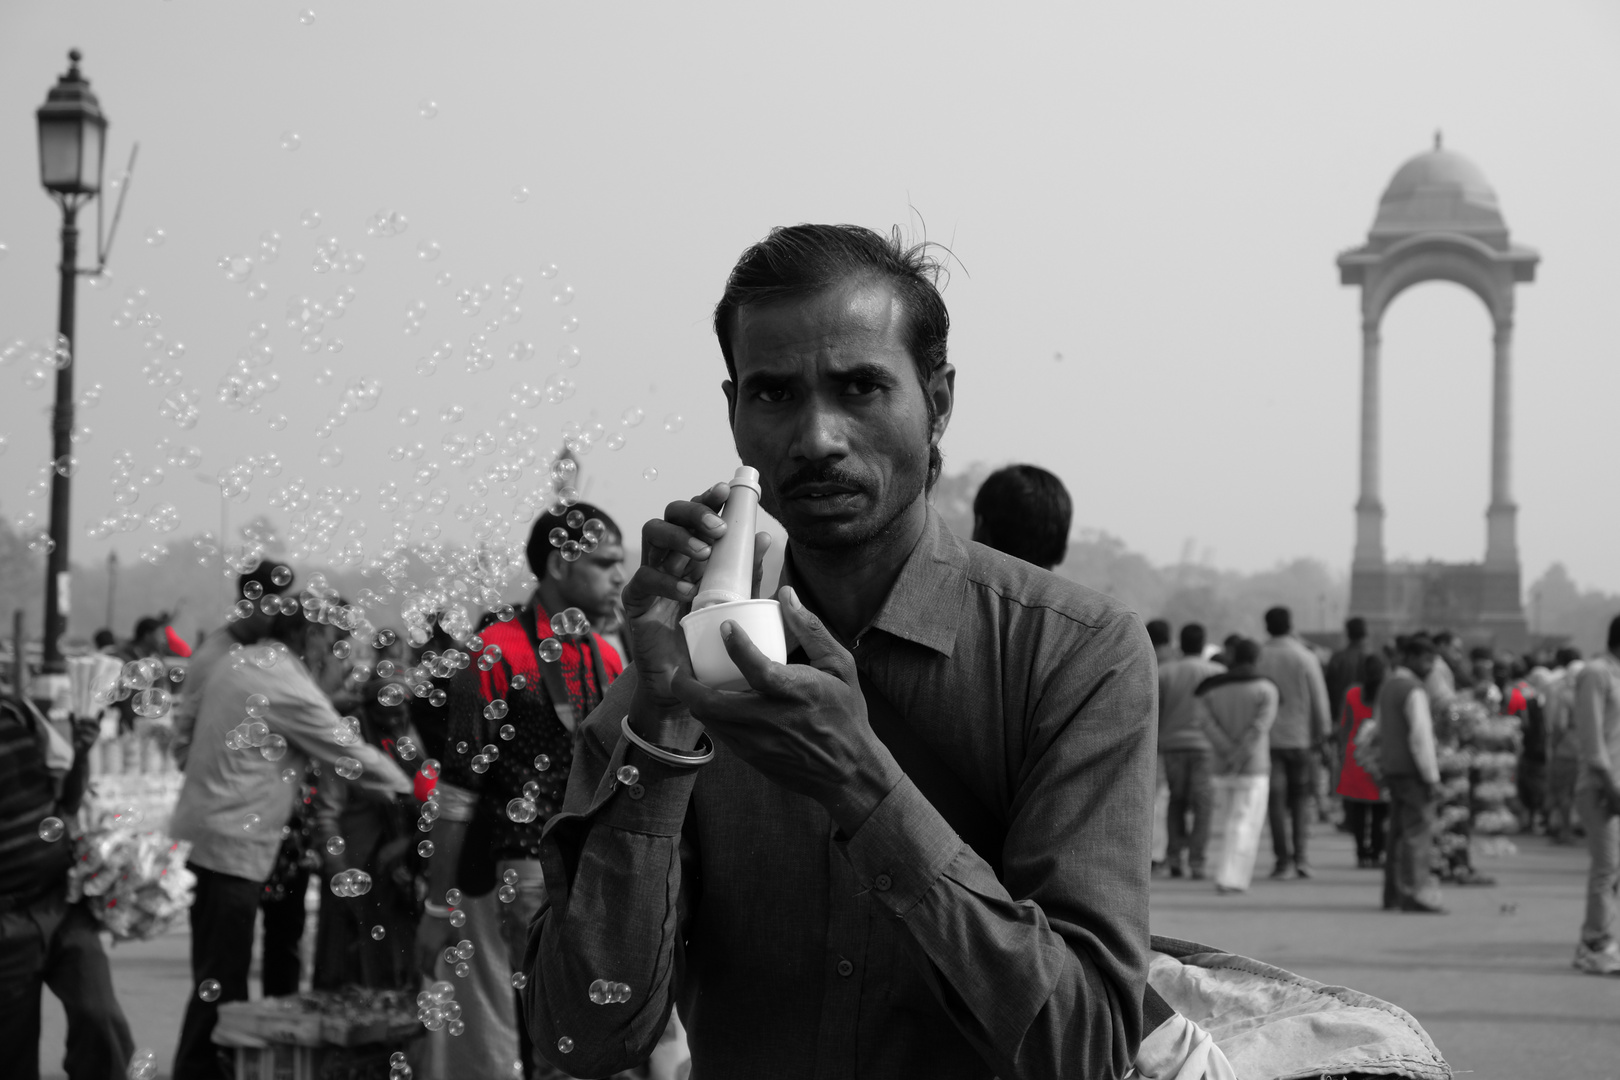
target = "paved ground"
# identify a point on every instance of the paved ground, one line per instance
(1491, 982)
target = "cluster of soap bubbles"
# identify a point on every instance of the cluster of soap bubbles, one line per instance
(604, 992)
(40, 362)
(457, 956)
(349, 768)
(349, 883)
(508, 891)
(386, 223)
(330, 255)
(142, 682)
(398, 1067)
(438, 1010)
(570, 622)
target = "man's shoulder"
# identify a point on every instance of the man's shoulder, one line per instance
(1028, 586)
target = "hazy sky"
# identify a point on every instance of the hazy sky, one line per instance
(1154, 192)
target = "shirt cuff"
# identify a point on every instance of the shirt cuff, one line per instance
(902, 849)
(653, 803)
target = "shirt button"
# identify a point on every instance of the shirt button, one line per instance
(883, 882)
(635, 791)
(845, 968)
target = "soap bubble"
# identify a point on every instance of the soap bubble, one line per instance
(281, 576)
(519, 980)
(307, 17)
(628, 775)
(251, 822)
(562, 295)
(506, 894)
(274, 748)
(336, 845)
(252, 589)
(520, 193)
(570, 324)
(291, 140)
(565, 1045)
(427, 108)
(391, 695)
(51, 829)
(143, 1066)
(258, 706)
(674, 422)
(550, 650)
(495, 710)
(156, 236)
(508, 732)
(349, 768)
(542, 762)
(522, 811)
(150, 703)
(649, 474)
(424, 848)
(405, 747)
(378, 933)
(342, 648)
(208, 989)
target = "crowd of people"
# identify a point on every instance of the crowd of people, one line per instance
(1422, 750)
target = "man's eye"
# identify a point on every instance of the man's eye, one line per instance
(861, 387)
(775, 395)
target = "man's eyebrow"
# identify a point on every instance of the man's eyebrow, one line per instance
(866, 372)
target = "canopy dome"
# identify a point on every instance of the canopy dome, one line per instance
(1439, 191)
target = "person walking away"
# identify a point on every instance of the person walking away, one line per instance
(44, 940)
(1411, 768)
(1563, 750)
(1366, 807)
(1301, 729)
(1187, 755)
(235, 802)
(1235, 711)
(1158, 632)
(483, 848)
(1344, 668)
(1597, 797)
(1024, 511)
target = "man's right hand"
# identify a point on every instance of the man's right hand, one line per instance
(674, 553)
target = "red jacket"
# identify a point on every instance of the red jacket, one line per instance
(1354, 783)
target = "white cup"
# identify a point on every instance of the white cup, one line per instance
(761, 619)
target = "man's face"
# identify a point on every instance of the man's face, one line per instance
(593, 582)
(1421, 664)
(828, 406)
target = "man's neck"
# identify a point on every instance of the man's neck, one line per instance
(847, 587)
(548, 597)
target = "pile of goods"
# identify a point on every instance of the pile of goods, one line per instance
(134, 881)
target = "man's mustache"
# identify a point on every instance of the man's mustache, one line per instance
(822, 472)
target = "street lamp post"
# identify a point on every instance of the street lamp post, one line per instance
(72, 136)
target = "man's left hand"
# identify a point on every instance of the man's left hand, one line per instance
(803, 726)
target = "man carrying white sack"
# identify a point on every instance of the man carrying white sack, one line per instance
(919, 848)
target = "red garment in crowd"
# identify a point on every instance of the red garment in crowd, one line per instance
(177, 644)
(1354, 783)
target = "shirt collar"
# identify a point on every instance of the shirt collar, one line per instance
(925, 598)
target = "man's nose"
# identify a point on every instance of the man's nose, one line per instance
(821, 430)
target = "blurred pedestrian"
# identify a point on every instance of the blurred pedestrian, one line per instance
(1366, 807)
(1597, 796)
(1563, 750)
(1301, 729)
(1187, 755)
(1344, 669)
(44, 940)
(236, 800)
(1024, 511)
(1411, 770)
(1236, 710)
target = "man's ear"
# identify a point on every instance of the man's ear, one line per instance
(556, 566)
(942, 389)
(730, 390)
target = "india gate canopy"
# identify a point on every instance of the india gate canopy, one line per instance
(1439, 219)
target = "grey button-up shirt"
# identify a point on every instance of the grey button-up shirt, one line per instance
(902, 951)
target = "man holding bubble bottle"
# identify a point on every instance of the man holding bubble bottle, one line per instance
(918, 847)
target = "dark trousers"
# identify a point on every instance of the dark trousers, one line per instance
(1192, 792)
(1366, 822)
(56, 944)
(1290, 804)
(283, 930)
(222, 920)
(1411, 842)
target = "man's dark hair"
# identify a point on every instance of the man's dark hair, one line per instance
(105, 637)
(1614, 633)
(265, 575)
(1158, 632)
(1024, 511)
(1415, 645)
(1192, 639)
(540, 547)
(1355, 628)
(1481, 652)
(1279, 621)
(1444, 637)
(1374, 669)
(148, 623)
(798, 261)
(1567, 655)
(1245, 651)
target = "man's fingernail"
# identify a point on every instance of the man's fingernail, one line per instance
(713, 521)
(793, 599)
(685, 588)
(727, 628)
(699, 548)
